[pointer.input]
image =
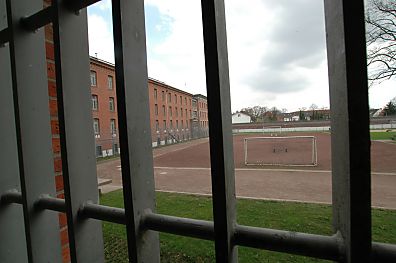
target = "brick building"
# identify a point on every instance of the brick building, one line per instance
(104, 108)
(171, 111)
(200, 123)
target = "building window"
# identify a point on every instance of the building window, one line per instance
(176, 112)
(181, 100)
(171, 124)
(170, 111)
(175, 98)
(164, 125)
(169, 97)
(110, 82)
(111, 104)
(186, 113)
(157, 125)
(155, 94)
(182, 126)
(115, 148)
(163, 95)
(185, 100)
(181, 112)
(94, 102)
(99, 152)
(156, 109)
(113, 128)
(96, 126)
(177, 124)
(163, 110)
(93, 78)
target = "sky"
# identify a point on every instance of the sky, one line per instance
(276, 50)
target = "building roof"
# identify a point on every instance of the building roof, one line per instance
(200, 96)
(111, 66)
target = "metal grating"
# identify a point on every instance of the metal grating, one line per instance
(26, 185)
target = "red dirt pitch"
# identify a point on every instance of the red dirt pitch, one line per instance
(185, 168)
(383, 155)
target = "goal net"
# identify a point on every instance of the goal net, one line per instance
(281, 151)
(272, 130)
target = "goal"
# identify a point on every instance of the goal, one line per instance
(281, 151)
(272, 130)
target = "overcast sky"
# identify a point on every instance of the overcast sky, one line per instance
(276, 48)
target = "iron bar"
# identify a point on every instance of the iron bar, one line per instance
(12, 230)
(101, 212)
(39, 19)
(350, 140)
(384, 253)
(318, 246)
(4, 36)
(219, 115)
(11, 197)
(33, 131)
(77, 5)
(51, 203)
(134, 127)
(179, 226)
(76, 130)
(311, 245)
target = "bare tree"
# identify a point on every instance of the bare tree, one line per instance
(381, 40)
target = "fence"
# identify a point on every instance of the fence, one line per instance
(26, 177)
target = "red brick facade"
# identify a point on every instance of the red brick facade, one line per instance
(200, 123)
(170, 113)
(104, 107)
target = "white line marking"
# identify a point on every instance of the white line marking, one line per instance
(265, 199)
(264, 170)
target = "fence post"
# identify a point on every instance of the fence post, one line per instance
(12, 230)
(76, 131)
(350, 140)
(221, 146)
(30, 94)
(134, 127)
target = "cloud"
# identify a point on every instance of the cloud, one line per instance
(294, 47)
(100, 35)
(276, 48)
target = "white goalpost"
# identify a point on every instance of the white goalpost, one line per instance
(281, 151)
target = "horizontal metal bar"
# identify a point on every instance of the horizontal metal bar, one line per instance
(101, 212)
(76, 5)
(179, 226)
(318, 246)
(51, 203)
(4, 36)
(381, 252)
(38, 20)
(11, 197)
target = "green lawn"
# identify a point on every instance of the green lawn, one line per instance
(383, 135)
(309, 218)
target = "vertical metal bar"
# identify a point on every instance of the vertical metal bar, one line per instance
(76, 131)
(134, 126)
(30, 93)
(346, 51)
(221, 146)
(12, 230)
